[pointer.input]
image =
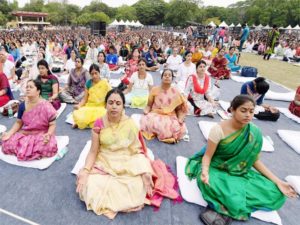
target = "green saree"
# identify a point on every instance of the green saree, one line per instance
(234, 188)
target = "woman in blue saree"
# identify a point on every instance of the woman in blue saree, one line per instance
(232, 60)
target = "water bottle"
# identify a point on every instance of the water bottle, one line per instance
(10, 112)
(61, 153)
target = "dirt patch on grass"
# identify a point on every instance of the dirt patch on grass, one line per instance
(281, 72)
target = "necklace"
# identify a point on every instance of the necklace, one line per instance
(114, 126)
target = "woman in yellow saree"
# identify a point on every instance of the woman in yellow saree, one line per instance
(92, 105)
(165, 113)
(118, 176)
(224, 173)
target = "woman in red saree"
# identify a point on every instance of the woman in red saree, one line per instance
(295, 105)
(218, 68)
(5, 92)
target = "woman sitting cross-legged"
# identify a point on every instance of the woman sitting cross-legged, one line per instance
(32, 136)
(198, 92)
(218, 68)
(295, 105)
(140, 85)
(50, 85)
(165, 112)
(232, 60)
(92, 105)
(74, 90)
(225, 173)
(118, 176)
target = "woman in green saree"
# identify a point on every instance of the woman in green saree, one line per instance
(225, 175)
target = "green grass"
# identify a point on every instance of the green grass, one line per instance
(281, 72)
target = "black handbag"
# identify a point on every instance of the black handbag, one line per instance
(211, 217)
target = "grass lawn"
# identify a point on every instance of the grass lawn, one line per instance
(278, 71)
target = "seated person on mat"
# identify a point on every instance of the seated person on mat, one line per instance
(5, 91)
(32, 136)
(223, 169)
(295, 105)
(257, 89)
(112, 59)
(141, 82)
(151, 58)
(92, 105)
(165, 113)
(198, 92)
(117, 175)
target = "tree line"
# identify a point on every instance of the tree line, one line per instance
(158, 12)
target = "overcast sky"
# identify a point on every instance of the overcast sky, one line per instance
(116, 3)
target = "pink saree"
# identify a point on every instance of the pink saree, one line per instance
(162, 121)
(27, 144)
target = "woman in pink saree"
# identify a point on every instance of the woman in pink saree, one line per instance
(32, 136)
(165, 113)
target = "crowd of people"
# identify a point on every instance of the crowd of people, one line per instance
(118, 175)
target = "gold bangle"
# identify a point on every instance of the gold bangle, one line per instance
(86, 169)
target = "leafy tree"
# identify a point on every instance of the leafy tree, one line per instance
(150, 12)
(180, 11)
(3, 19)
(35, 6)
(98, 6)
(126, 13)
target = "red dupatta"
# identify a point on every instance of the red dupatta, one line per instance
(197, 87)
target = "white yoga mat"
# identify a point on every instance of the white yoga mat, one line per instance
(242, 79)
(294, 181)
(191, 193)
(288, 114)
(290, 137)
(205, 127)
(287, 96)
(69, 119)
(61, 109)
(81, 160)
(44, 163)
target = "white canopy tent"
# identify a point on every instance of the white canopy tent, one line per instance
(127, 23)
(296, 27)
(253, 25)
(122, 23)
(259, 27)
(212, 24)
(138, 24)
(223, 24)
(231, 25)
(132, 23)
(114, 23)
(267, 27)
(239, 25)
(288, 27)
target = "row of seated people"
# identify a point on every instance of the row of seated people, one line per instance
(108, 186)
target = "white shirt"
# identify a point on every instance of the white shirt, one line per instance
(185, 71)
(7, 67)
(70, 64)
(141, 84)
(174, 62)
(92, 55)
(289, 53)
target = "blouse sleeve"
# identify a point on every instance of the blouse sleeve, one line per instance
(216, 134)
(21, 110)
(188, 86)
(98, 125)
